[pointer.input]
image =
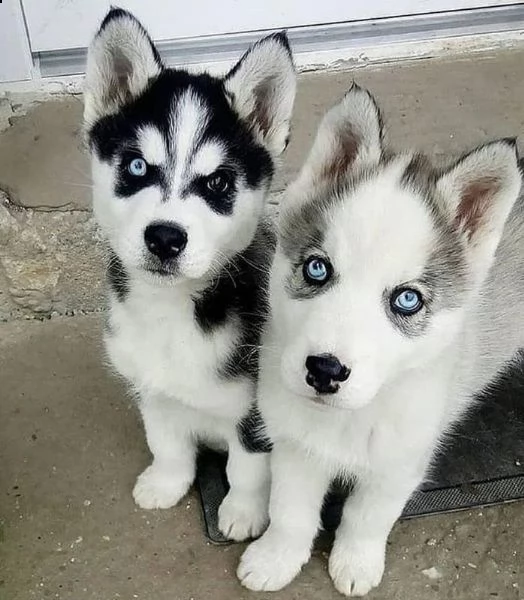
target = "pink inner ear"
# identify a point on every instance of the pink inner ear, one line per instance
(262, 112)
(347, 144)
(474, 203)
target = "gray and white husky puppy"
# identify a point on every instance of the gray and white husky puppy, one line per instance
(182, 165)
(396, 295)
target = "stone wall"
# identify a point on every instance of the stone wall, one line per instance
(50, 262)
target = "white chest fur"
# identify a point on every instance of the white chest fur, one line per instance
(156, 343)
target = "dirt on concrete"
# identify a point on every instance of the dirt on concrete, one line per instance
(43, 164)
(71, 445)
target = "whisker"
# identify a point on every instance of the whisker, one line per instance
(86, 185)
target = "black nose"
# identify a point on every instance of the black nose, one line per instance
(323, 370)
(165, 240)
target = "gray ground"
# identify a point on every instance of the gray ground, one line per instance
(70, 441)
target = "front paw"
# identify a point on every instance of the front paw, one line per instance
(270, 563)
(159, 488)
(243, 516)
(357, 568)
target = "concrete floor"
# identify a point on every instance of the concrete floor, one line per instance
(71, 444)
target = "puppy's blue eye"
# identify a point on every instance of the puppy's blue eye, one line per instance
(316, 270)
(137, 167)
(406, 301)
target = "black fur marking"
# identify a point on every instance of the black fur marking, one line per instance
(117, 277)
(112, 136)
(282, 38)
(221, 203)
(419, 176)
(127, 185)
(251, 432)
(240, 292)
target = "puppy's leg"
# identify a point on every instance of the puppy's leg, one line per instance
(356, 563)
(244, 512)
(399, 451)
(298, 487)
(172, 471)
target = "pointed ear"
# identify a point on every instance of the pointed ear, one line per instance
(120, 63)
(262, 86)
(350, 136)
(478, 193)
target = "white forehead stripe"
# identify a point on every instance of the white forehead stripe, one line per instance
(207, 159)
(152, 145)
(190, 120)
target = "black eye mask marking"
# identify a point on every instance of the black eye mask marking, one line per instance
(111, 137)
(218, 190)
(128, 184)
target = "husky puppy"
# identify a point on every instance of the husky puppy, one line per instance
(396, 295)
(182, 165)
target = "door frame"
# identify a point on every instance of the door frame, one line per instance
(16, 62)
(320, 45)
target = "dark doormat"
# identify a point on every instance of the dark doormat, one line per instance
(483, 463)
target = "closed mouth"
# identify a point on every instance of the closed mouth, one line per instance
(330, 388)
(326, 402)
(160, 272)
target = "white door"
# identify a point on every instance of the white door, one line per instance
(15, 56)
(66, 24)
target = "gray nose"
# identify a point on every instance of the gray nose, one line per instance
(165, 240)
(324, 372)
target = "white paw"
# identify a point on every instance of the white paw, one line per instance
(356, 569)
(159, 488)
(270, 563)
(243, 516)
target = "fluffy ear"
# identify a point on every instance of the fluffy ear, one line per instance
(262, 86)
(350, 136)
(478, 193)
(120, 63)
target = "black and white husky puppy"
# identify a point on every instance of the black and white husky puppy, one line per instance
(396, 295)
(182, 165)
